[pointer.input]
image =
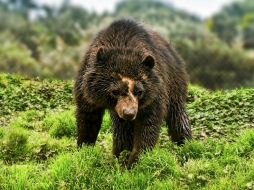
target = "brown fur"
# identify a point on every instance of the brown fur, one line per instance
(141, 79)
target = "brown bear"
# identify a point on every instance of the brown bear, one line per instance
(135, 74)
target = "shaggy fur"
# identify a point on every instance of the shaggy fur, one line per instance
(141, 80)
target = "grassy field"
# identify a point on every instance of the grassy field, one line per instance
(38, 147)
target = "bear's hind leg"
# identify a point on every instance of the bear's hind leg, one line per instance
(178, 122)
(88, 126)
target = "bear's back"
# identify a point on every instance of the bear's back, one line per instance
(129, 34)
(125, 34)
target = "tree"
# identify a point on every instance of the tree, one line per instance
(22, 6)
(235, 21)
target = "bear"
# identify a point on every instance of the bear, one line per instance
(136, 75)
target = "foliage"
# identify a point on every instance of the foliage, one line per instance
(60, 125)
(20, 94)
(27, 119)
(37, 124)
(38, 147)
(214, 65)
(67, 23)
(248, 30)
(49, 44)
(205, 108)
(181, 25)
(22, 143)
(235, 21)
(91, 168)
(66, 59)
(14, 144)
(228, 107)
(22, 30)
(221, 112)
(16, 58)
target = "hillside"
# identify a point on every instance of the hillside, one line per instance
(38, 147)
(217, 51)
(169, 21)
(235, 23)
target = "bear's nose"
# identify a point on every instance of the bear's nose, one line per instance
(129, 113)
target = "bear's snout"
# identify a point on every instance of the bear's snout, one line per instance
(127, 107)
(129, 113)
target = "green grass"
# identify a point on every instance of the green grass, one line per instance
(38, 147)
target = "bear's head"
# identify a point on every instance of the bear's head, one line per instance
(123, 80)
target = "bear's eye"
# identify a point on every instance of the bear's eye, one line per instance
(115, 93)
(138, 93)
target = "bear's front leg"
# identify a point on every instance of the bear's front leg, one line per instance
(88, 125)
(145, 138)
(122, 135)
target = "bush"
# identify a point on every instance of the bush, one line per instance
(199, 173)
(1, 132)
(81, 170)
(28, 119)
(214, 65)
(14, 145)
(61, 62)
(61, 125)
(45, 147)
(159, 163)
(222, 112)
(16, 58)
(191, 150)
(20, 94)
(19, 145)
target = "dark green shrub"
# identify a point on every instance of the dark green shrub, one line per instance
(234, 23)
(20, 94)
(159, 163)
(61, 124)
(16, 139)
(45, 147)
(14, 146)
(244, 147)
(214, 65)
(199, 173)
(29, 119)
(61, 63)
(191, 150)
(222, 112)
(2, 131)
(84, 169)
(16, 58)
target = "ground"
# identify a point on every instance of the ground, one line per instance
(38, 146)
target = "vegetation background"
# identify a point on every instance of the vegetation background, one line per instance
(47, 41)
(40, 49)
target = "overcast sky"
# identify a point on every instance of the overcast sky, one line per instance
(203, 8)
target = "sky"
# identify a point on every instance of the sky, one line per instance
(202, 8)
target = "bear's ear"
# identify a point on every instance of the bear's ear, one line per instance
(148, 62)
(100, 57)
